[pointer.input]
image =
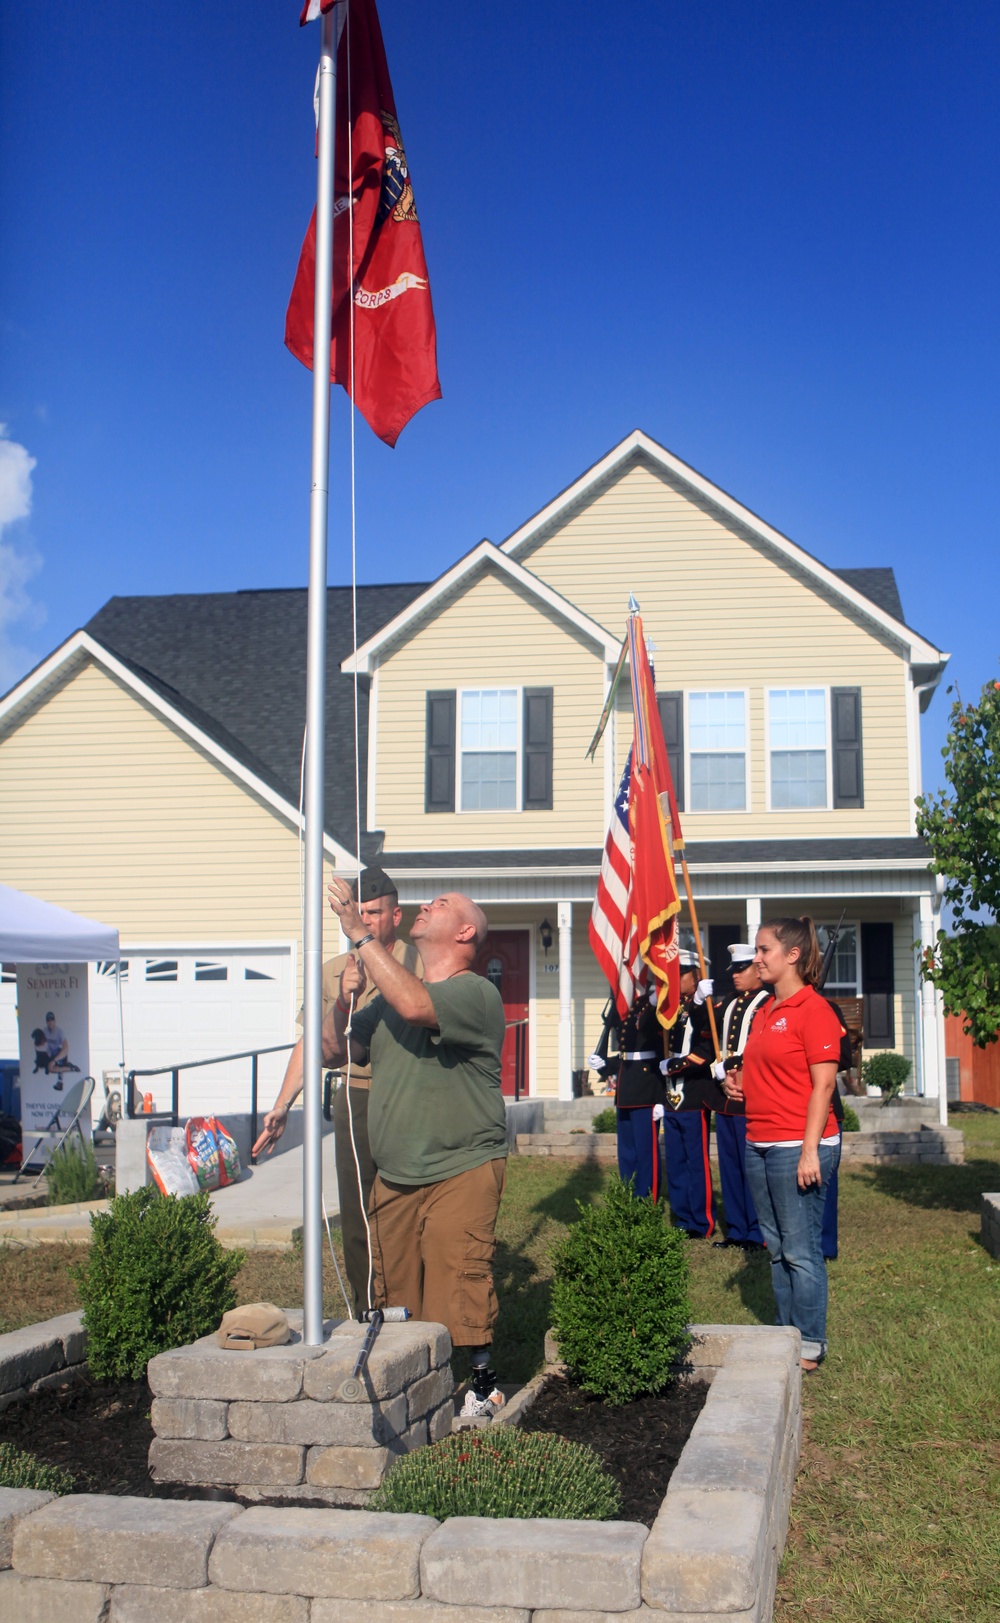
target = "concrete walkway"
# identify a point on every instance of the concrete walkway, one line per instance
(260, 1211)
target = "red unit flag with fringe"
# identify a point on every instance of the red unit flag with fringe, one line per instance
(395, 342)
(655, 829)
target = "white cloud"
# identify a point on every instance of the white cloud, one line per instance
(18, 559)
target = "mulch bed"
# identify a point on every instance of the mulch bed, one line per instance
(99, 1433)
(639, 1443)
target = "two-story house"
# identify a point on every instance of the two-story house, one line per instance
(790, 693)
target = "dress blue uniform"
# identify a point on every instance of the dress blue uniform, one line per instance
(639, 1090)
(742, 1227)
(685, 1125)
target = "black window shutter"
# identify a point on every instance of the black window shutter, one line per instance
(671, 708)
(845, 728)
(537, 747)
(878, 985)
(439, 783)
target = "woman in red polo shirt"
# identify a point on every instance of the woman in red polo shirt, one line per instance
(793, 1139)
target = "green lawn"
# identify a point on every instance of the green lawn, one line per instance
(896, 1512)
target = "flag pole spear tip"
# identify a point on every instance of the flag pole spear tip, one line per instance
(633, 607)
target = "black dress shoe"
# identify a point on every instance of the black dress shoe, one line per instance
(753, 1245)
(725, 1245)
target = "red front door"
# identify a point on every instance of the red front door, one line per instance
(503, 959)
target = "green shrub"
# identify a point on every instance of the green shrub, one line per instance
(606, 1121)
(887, 1071)
(21, 1470)
(851, 1122)
(72, 1175)
(620, 1296)
(501, 1471)
(156, 1277)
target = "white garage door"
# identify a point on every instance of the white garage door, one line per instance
(189, 1004)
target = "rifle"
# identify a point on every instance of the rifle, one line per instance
(598, 1060)
(831, 948)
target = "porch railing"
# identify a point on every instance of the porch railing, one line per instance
(519, 1028)
(174, 1072)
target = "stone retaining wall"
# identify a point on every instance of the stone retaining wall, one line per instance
(989, 1219)
(710, 1557)
(46, 1354)
(276, 1424)
(921, 1146)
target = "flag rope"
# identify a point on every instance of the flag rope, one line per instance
(354, 623)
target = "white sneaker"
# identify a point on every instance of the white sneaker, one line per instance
(482, 1408)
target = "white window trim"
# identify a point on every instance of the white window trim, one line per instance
(495, 811)
(688, 752)
(848, 924)
(805, 811)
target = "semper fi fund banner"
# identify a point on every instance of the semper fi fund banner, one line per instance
(53, 1027)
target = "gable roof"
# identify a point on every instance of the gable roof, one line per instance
(229, 668)
(874, 598)
(483, 556)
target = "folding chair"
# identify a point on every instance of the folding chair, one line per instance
(76, 1101)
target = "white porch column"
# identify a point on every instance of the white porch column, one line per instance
(930, 1036)
(565, 1050)
(753, 918)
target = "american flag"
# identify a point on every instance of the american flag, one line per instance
(613, 935)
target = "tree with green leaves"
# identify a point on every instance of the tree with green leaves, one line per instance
(962, 827)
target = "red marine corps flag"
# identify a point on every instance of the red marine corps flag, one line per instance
(655, 829)
(395, 346)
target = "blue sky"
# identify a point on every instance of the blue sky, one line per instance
(766, 234)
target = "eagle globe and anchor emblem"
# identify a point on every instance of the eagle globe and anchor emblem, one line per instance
(397, 192)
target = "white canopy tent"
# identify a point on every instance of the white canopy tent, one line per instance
(36, 932)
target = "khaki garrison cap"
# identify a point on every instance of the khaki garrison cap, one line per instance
(258, 1324)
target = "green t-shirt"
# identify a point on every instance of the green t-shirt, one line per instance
(435, 1108)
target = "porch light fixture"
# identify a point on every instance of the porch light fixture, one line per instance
(545, 936)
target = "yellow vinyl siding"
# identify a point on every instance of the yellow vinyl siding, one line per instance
(108, 810)
(724, 614)
(493, 635)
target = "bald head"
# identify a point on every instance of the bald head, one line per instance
(449, 930)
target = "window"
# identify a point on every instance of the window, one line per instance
(110, 967)
(717, 744)
(488, 738)
(256, 975)
(842, 980)
(798, 748)
(161, 969)
(210, 971)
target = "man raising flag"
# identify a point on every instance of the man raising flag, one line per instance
(381, 294)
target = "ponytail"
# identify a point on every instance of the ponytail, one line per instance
(800, 933)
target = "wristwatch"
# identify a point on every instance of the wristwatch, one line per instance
(362, 941)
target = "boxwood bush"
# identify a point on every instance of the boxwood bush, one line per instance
(501, 1471)
(155, 1278)
(606, 1121)
(620, 1296)
(886, 1070)
(851, 1121)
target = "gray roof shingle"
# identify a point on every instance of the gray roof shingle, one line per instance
(879, 585)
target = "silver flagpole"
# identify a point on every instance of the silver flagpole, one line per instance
(312, 967)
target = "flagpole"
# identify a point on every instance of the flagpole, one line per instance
(312, 966)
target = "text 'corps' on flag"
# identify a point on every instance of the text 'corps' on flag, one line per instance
(655, 829)
(395, 343)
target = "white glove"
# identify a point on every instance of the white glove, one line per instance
(705, 989)
(719, 1071)
(658, 1112)
(664, 1067)
(653, 995)
(596, 1063)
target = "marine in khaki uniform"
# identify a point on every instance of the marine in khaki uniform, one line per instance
(382, 916)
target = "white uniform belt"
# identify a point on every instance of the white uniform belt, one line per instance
(644, 1053)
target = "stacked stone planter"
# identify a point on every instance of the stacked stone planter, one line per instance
(276, 1424)
(42, 1355)
(710, 1557)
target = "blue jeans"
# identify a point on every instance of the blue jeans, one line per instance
(791, 1221)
